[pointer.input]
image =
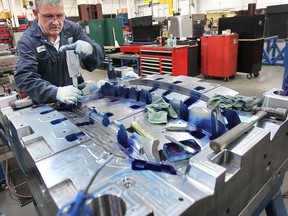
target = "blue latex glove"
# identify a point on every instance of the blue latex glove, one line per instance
(69, 95)
(82, 48)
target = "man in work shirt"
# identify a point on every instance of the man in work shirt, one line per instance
(42, 71)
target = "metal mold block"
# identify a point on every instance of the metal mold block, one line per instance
(205, 184)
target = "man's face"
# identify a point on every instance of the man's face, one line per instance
(51, 19)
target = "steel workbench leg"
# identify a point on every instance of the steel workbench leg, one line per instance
(138, 66)
(109, 62)
(276, 206)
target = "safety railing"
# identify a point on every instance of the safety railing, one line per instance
(285, 76)
(272, 53)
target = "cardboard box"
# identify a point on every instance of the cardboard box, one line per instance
(122, 10)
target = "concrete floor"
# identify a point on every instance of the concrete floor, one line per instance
(270, 77)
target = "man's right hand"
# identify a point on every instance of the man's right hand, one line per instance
(69, 95)
(80, 47)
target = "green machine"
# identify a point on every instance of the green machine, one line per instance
(101, 30)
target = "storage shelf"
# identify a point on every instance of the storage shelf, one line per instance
(125, 20)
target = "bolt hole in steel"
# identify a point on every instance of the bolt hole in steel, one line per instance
(176, 82)
(64, 131)
(279, 174)
(108, 205)
(279, 92)
(10, 133)
(113, 100)
(199, 88)
(180, 199)
(128, 182)
(227, 211)
(135, 107)
(268, 166)
(109, 114)
(264, 156)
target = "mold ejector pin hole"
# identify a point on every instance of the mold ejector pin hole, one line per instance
(268, 166)
(128, 182)
(227, 211)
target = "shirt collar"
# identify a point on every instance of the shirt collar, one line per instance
(55, 43)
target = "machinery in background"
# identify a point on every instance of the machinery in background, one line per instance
(144, 31)
(187, 26)
(6, 28)
(285, 76)
(101, 30)
(251, 41)
(148, 173)
(90, 11)
(276, 14)
(219, 55)
(8, 62)
(179, 27)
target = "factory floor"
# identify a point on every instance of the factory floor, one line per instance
(270, 77)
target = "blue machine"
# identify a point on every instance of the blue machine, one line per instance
(272, 53)
(2, 176)
(285, 76)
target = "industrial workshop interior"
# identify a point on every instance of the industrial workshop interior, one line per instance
(143, 107)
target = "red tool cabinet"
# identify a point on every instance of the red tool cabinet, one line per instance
(162, 60)
(219, 55)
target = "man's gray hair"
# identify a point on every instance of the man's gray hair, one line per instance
(53, 3)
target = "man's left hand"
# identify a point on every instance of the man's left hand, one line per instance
(82, 48)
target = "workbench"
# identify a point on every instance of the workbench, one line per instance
(125, 57)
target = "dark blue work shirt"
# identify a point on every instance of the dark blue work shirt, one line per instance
(41, 69)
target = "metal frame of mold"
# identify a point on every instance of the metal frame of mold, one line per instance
(60, 149)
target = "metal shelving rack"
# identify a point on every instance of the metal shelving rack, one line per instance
(23, 23)
(125, 21)
(5, 35)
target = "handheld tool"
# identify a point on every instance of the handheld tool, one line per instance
(73, 66)
(186, 148)
(227, 138)
(140, 130)
(180, 125)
